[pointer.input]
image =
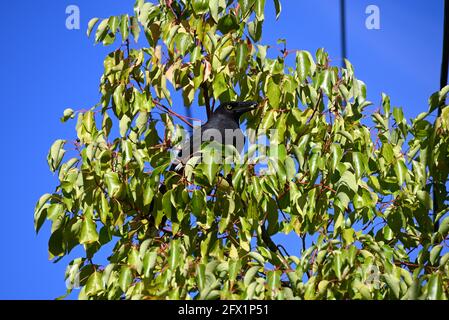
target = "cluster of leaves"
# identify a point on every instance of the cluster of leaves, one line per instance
(357, 198)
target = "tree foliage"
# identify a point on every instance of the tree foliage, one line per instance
(353, 187)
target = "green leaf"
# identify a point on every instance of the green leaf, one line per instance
(134, 260)
(119, 99)
(91, 25)
(228, 23)
(401, 171)
(56, 245)
(444, 227)
(251, 290)
(167, 204)
(374, 182)
(273, 281)
(398, 115)
(149, 262)
(313, 164)
(337, 264)
(273, 93)
(68, 114)
(94, 284)
(435, 254)
(305, 66)
(210, 170)
(40, 211)
(127, 148)
(124, 27)
(348, 236)
(242, 56)
(105, 210)
(56, 154)
(349, 180)
(380, 120)
(445, 118)
(438, 99)
(249, 275)
(434, 287)
(102, 30)
(89, 232)
(125, 278)
(183, 42)
(336, 154)
(388, 153)
(267, 120)
(444, 259)
(124, 125)
(106, 124)
(55, 211)
(393, 283)
(200, 6)
(260, 9)
(258, 257)
(324, 81)
(425, 198)
(346, 134)
(357, 160)
(201, 276)
(148, 193)
(198, 202)
(175, 254)
(322, 286)
(386, 105)
(255, 30)
(290, 168)
(245, 6)
(213, 7)
(234, 269)
(219, 85)
(113, 24)
(113, 184)
(135, 28)
(278, 7)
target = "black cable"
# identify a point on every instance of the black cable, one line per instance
(443, 83)
(343, 30)
(445, 59)
(343, 39)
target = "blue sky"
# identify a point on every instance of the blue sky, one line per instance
(47, 68)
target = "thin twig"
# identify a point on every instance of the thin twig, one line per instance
(180, 117)
(206, 99)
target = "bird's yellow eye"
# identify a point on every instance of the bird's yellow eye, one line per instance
(229, 107)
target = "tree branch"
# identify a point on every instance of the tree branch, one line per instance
(180, 117)
(209, 109)
(265, 237)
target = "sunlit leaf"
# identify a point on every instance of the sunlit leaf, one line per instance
(91, 25)
(56, 154)
(89, 232)
(277, 5)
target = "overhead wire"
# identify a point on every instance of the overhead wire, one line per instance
(443, 83)
(343, 31)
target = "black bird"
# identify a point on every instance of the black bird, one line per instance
(222, 127)
(224, 123)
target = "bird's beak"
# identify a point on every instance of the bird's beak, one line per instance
(246, 106)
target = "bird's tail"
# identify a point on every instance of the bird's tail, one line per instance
(162, 190)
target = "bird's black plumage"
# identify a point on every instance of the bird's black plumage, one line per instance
(223, 127)
(224, 121)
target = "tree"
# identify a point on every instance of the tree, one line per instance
(353, 188)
